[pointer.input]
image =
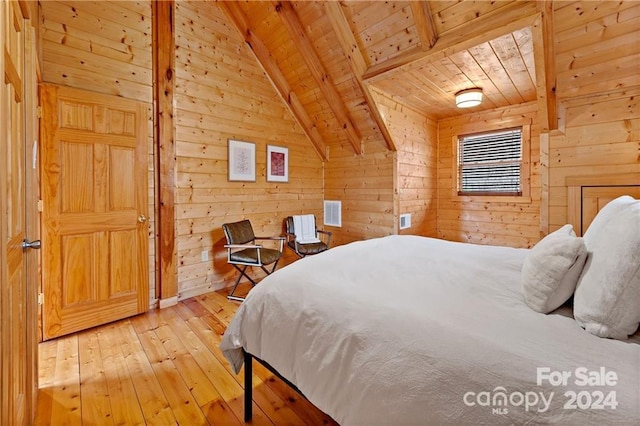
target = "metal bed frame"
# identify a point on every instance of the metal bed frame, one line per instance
(248, 383)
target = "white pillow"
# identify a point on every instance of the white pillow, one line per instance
(552, 268)
(606, 214)
(607, 299)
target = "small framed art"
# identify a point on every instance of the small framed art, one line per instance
(277, 164)
(242, 161)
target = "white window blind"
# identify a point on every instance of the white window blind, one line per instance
(490, 163)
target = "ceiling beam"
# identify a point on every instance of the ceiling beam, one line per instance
(421, 12)
(275, 75)
(358, 65)
(306, 49)
(544, 57)
(499, 22)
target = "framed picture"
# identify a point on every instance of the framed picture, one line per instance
(277, 164)
(242, 161)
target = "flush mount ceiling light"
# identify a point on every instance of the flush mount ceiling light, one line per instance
(469, 98)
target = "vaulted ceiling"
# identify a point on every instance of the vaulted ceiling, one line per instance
(331, 61)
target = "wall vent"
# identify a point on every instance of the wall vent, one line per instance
(333, 213)
(405, 221)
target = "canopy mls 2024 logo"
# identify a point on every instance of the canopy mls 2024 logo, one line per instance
(594, 392)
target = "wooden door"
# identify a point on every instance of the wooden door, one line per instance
(18, 346)
(95, 231)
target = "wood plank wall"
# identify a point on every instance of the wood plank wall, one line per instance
(598, 60)
(222, 93)
(416, 140)
(601, 137)
(364, 185)
(481, 220)
(597, 47)
(104, 47)
(379, 185)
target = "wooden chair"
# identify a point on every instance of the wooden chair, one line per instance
(242, 252)
(314, 242)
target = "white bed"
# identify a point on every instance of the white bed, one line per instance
(406, 330)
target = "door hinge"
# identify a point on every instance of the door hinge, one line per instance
(40, 298)
(40, 206)
(39, 111)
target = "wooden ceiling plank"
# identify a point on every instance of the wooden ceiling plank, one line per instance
(544, 54)
(395, 40)
(424, 23)
(390, 35)
(461, 13)
(470, 67)
(485, 28)
(358, 65)
(423, 82)
(524, 40)
(437, 85)
(507, 51)
(347, 40)
(275, 75)
(452, 79)
(485, 54)
(299, 37)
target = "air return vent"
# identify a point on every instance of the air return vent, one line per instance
(405, 221)
(333, 213)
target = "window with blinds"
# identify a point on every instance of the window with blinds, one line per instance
(490, 163)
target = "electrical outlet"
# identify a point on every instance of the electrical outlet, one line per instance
(204, 255)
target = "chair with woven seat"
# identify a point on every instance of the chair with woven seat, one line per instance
(242, 252)
(304, 238)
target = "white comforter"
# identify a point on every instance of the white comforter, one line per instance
(406, 330)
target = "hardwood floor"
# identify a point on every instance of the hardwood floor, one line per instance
(163, 367)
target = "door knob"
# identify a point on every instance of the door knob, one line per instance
(142, 218)
(26, 244)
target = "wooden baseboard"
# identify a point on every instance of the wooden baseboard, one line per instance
(171, 301)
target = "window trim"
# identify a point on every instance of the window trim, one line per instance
(525, 169)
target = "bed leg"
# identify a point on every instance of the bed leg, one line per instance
(248, 386)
